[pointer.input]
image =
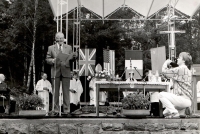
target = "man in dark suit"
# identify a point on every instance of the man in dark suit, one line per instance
(60, 70)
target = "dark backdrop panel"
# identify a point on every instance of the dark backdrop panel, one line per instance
(85, 97)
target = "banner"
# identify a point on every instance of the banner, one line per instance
(134, 63)
(109, 60)
(158, 57)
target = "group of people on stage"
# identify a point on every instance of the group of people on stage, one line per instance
(172, 102)
(60, 55)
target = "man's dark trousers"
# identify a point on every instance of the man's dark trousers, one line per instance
(65, 90)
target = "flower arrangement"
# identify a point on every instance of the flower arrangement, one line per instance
(101, 74)
(136, 100)
(29, 102)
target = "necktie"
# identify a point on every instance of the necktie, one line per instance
(60, 49)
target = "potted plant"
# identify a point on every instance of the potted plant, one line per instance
(28, 105)
(136, 104)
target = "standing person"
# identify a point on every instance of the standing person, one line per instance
(181, 98)
(198, 95)
(102, 94)
(58, 56)
(43, 87)
(76, 90)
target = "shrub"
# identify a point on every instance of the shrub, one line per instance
(136, 100)
(29, 102)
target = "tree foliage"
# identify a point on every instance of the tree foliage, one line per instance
(16, 37)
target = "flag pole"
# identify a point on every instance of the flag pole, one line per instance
(57, 14)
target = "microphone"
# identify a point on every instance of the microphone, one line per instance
(123, 72)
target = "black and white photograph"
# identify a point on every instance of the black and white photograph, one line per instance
(100, 66)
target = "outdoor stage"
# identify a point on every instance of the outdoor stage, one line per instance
(100, 126)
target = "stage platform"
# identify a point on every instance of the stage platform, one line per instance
(100, 125)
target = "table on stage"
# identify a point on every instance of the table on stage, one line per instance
(129, 86)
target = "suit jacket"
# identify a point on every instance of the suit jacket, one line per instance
(63, 67)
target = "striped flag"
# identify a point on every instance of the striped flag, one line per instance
(109, 60)
(87, 58)
(158, 57)
(133, 62)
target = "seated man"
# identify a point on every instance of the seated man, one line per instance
(4, 94)
(3, 85)
(43, 87)
(76, 90)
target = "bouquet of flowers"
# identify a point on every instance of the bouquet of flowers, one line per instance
(103, 75)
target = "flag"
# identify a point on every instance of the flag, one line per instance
(195, 69)
(134, 63)
(109, 60)
(87, 58)
(158, 57)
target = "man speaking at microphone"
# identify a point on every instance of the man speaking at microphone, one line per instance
(59, 56)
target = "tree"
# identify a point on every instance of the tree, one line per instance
(21, 39)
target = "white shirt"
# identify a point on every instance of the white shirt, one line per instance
(44, 94)
(102, 94)
(59, 46)
(77, 86)
(41, 84)
(198, 91)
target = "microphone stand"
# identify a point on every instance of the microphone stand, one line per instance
(53, 103)
(144, 78)
(118, 114)
(137, 71)
(54, 82)
(60, 103)
(123, 73)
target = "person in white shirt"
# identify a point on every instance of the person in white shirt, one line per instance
(43, 87)
(76, 90)
(198, 95)
(2, 78)
(175, 103)
(102, 94)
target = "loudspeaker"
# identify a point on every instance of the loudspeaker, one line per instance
(154, 109)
